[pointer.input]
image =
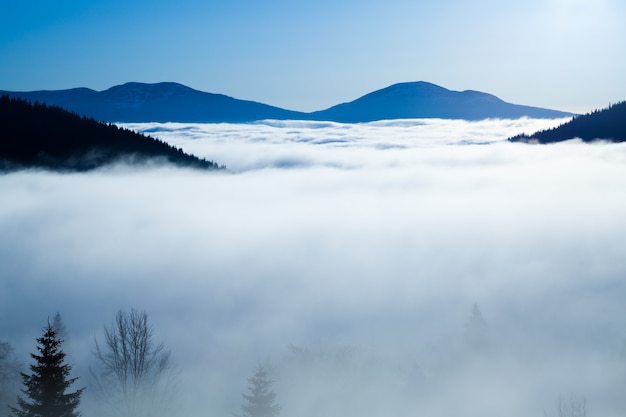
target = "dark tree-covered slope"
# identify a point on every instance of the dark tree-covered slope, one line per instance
(42, 136)
(608, 124)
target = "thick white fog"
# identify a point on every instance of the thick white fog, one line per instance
(346, 258)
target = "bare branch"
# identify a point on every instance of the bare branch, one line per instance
(132, 369)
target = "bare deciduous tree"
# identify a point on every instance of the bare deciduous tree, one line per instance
(573, 406)
(133, 376)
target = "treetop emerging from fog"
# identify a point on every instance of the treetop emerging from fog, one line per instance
(46, 387)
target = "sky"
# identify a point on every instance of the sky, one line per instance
(561, 54)
(364, 247)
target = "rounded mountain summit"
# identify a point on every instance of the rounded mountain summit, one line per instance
(173, 102)
(420, 99)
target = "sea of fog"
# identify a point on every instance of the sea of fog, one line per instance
(347, 258)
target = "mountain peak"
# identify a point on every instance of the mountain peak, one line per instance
(421, 99)
(161, 86)
(170, 101)
(137, 92)
(408, 89)
(422, 85)
(425, 89)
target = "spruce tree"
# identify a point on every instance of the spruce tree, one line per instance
(48, 382)
(477, 333)
(261, 400)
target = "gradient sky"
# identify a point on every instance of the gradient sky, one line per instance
(564, 54)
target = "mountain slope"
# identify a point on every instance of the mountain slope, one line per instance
(48, 137)
(608, 124)
(163, 102)
(425, 100)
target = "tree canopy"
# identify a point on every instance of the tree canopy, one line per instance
(607, 124)
(49, 137)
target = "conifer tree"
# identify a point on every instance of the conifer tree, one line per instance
(46, 386)
(477, 332)
(260, 402)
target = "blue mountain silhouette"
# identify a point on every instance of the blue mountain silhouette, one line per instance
(425, 100)
(163, 102)
(160, 102)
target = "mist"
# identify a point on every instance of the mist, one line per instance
(347, 258)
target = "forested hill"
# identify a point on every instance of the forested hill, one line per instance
(608, 124)
(48, 137)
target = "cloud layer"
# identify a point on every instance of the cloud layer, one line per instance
(372, 239)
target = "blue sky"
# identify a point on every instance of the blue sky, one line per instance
(565, 54)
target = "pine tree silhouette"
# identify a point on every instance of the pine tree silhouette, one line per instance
(261, 400)
(48, 382)
(476, 332)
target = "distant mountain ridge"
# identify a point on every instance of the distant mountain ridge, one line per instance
(425, 100)
(160, 102)
(173, 102)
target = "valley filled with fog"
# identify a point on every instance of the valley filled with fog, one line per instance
(346, 258)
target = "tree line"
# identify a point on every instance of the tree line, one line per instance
(133, 375)
(607, 124)
(36, 135)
